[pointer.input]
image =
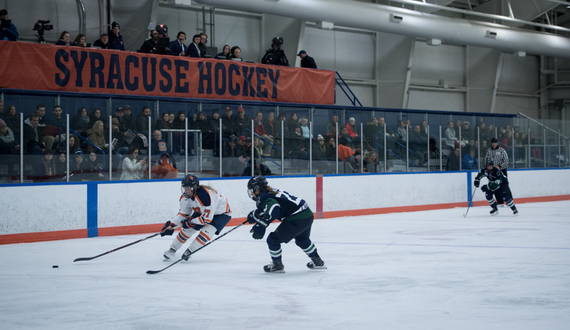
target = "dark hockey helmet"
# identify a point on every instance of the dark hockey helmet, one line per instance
(191, 181)
(489, 162)
(254, 184)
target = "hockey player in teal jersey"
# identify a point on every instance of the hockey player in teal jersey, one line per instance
(296, 220)
(498, 183)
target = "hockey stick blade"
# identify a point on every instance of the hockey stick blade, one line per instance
(116, 249)
(158, 271)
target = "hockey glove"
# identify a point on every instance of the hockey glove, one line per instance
(188, 223)
(254, 217)
(186, 255)
(258, 231)
(168, 229)
(476, 183)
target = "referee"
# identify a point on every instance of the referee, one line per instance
(500, 158)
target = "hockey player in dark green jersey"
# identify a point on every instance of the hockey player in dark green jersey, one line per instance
(498, 183)
(296, 220)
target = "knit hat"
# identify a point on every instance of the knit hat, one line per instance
(320, 137)
(78, 152)
(115, 24)
(240, 109)
(242, 138)
(2, 123)
(351, 119)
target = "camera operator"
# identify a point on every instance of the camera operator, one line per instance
(150, 45)
(275, 55)
(8, 30)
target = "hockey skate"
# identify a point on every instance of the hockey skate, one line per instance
(169, 254)
(274, 267)
(515, 212)
(494, 211)
(316, 263)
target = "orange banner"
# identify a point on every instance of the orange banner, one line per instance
(73, 69)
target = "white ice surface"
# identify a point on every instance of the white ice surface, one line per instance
(420, 270)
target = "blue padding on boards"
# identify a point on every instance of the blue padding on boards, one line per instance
(469, 189)
(92, 229)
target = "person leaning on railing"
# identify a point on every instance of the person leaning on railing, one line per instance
(8, 30)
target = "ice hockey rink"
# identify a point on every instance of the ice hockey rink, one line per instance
(418, 270)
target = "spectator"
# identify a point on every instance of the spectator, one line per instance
(177, 47)
(454, 160)
(521, 144)
(466, 133)
(81, 121)
(424, 129)
(331, 148)
(120, 145)
(469, 161)
(12, 120)
(132, 167)
(115, 37)
(94, 167)
(354, 162)
(306, 60)
(202, 44)
(275, 55)
(306, 131)
(370, 133)
(58, 121)
(321, 164)
(194, 48)
(456, 127)
(225, 54)
(450, 136)
(402, 132)
(204, 126)
(331, 126)
(78, 170)
(343, 138)
(171, 118)
(292, 123)
(97, 137)
(227, 123)
(127, 123)
(433, 152)
(419, 145)
(295, 146)
(9, 147)
(163, 168)
(259, 129)
(80, 41)
(241, 122)
(162, 123)
(61, 164)
(8, 30)
(44, 170)
(236, 54)
(64, 39)
(47, 139)
(268, 124)
(351, 128)
(95, 115)
(260, 166)
(151, 46)
(73, 144)
(141, 123)
(33, 143)
(373, 165)
(102, 42)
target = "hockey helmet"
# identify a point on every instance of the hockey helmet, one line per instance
(489, 162)
(191, 181)
(257, 183)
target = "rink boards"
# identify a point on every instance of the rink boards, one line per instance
(40, 212)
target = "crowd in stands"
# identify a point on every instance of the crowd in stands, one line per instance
(287, 133)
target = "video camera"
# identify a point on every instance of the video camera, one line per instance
(277, 41)
(41, 26)
(5, 23)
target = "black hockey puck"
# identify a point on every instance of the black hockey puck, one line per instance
(54, 266)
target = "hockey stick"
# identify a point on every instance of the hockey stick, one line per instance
(200, 248)
(121, 247)
(470, 202)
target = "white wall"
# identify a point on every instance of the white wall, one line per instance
(39, 208)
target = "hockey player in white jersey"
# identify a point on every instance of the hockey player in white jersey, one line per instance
(203, 210)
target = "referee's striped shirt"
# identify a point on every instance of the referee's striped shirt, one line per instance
(499, 157)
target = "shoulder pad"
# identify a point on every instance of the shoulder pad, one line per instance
(203, 197)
